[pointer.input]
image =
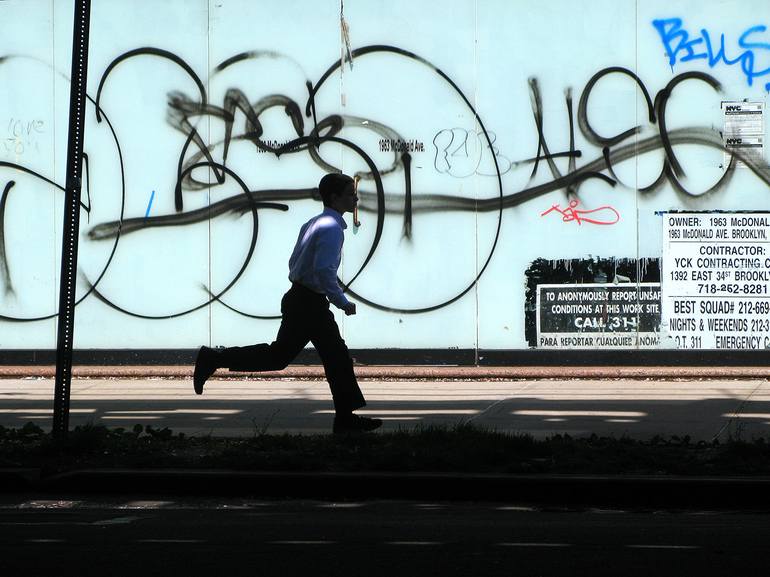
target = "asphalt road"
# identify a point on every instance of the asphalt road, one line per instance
(82, 536)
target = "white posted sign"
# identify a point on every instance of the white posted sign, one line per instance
(744, 131)
(715, 280)
(598, 316)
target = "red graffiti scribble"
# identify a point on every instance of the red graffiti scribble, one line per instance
(571, 214)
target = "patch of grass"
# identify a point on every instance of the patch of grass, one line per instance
(462, 448)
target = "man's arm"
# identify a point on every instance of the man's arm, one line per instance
(325, 265)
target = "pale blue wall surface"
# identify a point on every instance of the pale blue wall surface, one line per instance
(456, 77)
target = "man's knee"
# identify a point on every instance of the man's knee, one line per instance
(278, 364)
(280, 357)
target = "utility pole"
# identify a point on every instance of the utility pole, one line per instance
(71, 229)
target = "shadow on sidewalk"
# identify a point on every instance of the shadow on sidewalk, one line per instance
(703, 419)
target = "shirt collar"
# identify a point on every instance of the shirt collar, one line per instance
(336, 215)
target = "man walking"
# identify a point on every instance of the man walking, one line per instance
(306, 316)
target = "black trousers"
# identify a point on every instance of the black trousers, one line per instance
(306, 318)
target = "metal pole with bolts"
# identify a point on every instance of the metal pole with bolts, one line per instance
(71, 230)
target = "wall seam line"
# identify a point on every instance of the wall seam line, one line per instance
(208, 97)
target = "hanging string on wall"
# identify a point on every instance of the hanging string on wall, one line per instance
(345, 53)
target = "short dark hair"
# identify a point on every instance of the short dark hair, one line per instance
(331, 184)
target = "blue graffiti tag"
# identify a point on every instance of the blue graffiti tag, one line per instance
(679, 45)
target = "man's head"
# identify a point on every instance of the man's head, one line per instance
(338, 192)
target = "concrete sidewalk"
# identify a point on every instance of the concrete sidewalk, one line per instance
(704, 409)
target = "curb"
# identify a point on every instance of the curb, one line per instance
(19, 480)
(550, 490)
(403, 372)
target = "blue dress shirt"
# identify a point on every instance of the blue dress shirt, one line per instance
(317, 255)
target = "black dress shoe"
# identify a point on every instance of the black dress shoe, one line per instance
(354, 424)
(205, 365)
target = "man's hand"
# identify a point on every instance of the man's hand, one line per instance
(350, 309)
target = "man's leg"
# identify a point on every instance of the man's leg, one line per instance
(292, 337)
(338, 365)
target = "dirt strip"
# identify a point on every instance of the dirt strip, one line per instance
(408, 372)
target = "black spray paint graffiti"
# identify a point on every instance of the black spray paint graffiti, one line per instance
(182, 109)
(449, 143)
(4, 267)
(196, 154)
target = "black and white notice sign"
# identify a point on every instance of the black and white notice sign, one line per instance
(605, 316)
(715, 280)
(743, 131)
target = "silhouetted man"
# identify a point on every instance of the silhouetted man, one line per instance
(306, 316)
